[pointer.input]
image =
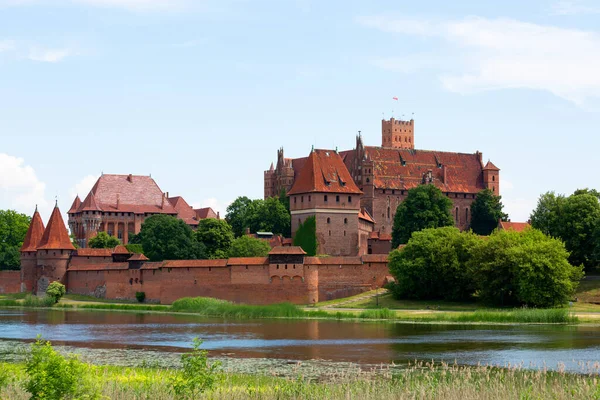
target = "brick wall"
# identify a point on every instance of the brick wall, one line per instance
(10, 281)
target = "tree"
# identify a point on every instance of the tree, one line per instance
(237, 215)
(13, 229)
(269, 215)
(306, 236)
(486, 210)
(56, 291)
(547, 215)
(248, 246)
(524, 268)
(164, 237)
(216, 235)
(433, 265)
(425, 207)
(103, 241)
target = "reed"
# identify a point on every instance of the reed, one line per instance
(35, 301)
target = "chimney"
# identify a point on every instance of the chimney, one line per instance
(167, 194)
(162, 204)
(444, 174)
(130, 178)
(118, 200)
(218, 215)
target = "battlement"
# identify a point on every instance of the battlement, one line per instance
(398, 134)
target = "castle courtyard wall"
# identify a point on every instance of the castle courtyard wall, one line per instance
(10, 282)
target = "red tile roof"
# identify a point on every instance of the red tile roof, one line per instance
(75, 205)
(516, 226)
(287, 250)
(364, 214)
(194, 263)
(380, 236)
(55, 235)
(491, 166)
(128, 193)
(375, 258)
(138, 257)
(89, 204)
(34, 233)
(248, 261)
(184, 210)
(99, 267)
(206, 212)
(120, 249)
(89, 252)
(404, 169)
(334, 260)
(325, 172)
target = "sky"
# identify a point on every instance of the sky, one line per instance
(200, 94)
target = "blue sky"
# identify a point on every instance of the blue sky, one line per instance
(200, 94)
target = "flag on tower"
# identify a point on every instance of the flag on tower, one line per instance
(395, 98)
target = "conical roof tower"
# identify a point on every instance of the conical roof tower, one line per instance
(34, 233)
(56, 236)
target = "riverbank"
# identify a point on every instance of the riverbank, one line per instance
(208, 307)
(423, 381)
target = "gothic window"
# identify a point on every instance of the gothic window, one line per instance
(325, 198)
(456, 214)
(493, 179)
(345, 220)
(328, 220)
(388, 213)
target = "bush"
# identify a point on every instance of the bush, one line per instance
(140, 296)
(103, 241)
(34, 301)
(56, 291)
(54, 377)
(248, 246)
(306, 236)
(134, 248)
(197, 375)
(433, 265)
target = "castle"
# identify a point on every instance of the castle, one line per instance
(286, 274)
(118, 205)
(354, 194)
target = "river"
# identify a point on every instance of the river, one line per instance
(574, 348)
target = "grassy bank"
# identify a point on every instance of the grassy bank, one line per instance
(421, 381)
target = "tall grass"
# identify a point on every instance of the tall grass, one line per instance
(519, 315)
(35, 301)
(221, 308)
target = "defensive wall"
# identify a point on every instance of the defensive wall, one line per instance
(280, 277)
(10, 282)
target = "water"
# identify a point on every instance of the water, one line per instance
(364, 343)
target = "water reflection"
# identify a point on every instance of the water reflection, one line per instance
(366, 343)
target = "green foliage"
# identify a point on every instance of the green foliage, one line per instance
(222, 308)
(575, 220)
(140, 296)
(216, 235)
(197, 375)
(306, 236)
(135, 248)
(425, 207)
(486, 211)
(103, 241)
(133, 238)
(74, 240)
(34, 301)
(164, 237)
(433, 265)
(248, 246)
(524, 268)
(50, 376)
(56, 291)
(237, 215)
(13, 228)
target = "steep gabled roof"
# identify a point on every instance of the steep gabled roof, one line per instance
(515, 226)
(138, 257)
(325, 172)
(490, 166)
(120, 249)
(184, 210)
(364, 214)
(206, 212)
(34, 233)
(55, 235)
(75, 206)
(89, 204)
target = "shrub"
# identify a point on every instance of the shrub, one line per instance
(140, 296)
(56, 291)
(34, 301)
(197, 375)
(103, 241)
(54, 377)
(248, 246)
(306, 236)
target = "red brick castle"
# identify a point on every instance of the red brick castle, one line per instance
(354, 194)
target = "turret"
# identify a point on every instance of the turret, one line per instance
(29, 252)
(398, 134)
(53, 252)
(491, 178)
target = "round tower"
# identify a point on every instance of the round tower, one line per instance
(29, 253)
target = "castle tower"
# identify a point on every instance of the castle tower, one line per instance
(29, 252)
(398, 134)
(269, 179)
(53, 252)
(325, 189)
(491, 178)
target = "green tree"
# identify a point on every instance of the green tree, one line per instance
(216, 235)
(486, 210)
(434, 265)
(237, 215)
(424, 207)
(13, 229)
(524, 268)
(269, 215)
(306, 236)
(164, 237)
(248, 246)
(547, 215)
(56, 291)
(103, 241)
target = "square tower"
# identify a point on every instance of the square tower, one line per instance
(398, 134)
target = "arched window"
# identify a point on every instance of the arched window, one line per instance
(345, 221)
(388, 212)
(456, 214)
(493, 178)
(328, 220)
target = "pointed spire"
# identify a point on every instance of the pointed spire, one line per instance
(491, 166)
(55, 235)
(89, 204)
(74, 206)
(34, 233)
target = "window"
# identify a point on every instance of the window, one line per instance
(295, 198)
(328, 220)
(337, 198)
(493, 179)
(309, 198)
(329, 233)
(388, 213)
(466, 215)
(345, 220)
(325, 198)
(301, 199)
(344, 233)
(349, 199)
(393, 191)
(456, 214)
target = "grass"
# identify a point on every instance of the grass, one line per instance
(35, 301)
(422, 381)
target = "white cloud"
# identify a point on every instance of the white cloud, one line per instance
(83, 187)
(478, 54)
(6, 45)
(48, 55)
(20, 188)
(131, 5)
(574, 7)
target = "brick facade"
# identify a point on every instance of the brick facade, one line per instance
(10, 282)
